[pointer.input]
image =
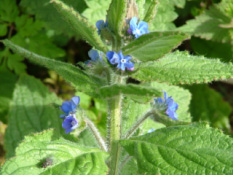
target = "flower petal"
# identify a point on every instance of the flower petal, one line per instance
(143, 27)
(99, 24)
(93, 54)
(66, 107)
(133, 23)
(113, 57)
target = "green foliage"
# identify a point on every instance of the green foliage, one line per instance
(80, 25)
(211, 107)
(214, 24)
(97, 10)
(154, 45)
(45, 12)
(31, 111)
(212, 49)
(116, 15)
(151, 11)
(45, 153)
(128, 89)
(69, 72)
(182, 68)
(8, 81)
(182, 150)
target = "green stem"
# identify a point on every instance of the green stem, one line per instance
(115, 130)
(137, 124)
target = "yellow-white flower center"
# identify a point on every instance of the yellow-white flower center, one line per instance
(123, 60)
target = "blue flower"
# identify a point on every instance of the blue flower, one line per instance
(69, 107)
(121, 60)
(100, 25)
(70, 123)
(168, 105)
(137, 29)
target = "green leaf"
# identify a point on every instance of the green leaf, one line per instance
(116, 15)
(213, 24)
(45, 12)
(3, 29)
(8, 81)
(80, 25)
(70, 73)
(44, 153)
(128, 89)
(212, 49)
(154, 45)
(97, 10)
(8, 10)
(151, 11)
(140, 7)
(211, 107)
(182, 68)
(182, 150)
(31, 111)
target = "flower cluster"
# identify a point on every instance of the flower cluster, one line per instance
(167, 105)
(69, 108)
(137, 29)
(121, 60)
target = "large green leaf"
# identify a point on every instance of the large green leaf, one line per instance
(213, 24)
(69, 72)
(97, 10)
(182, 150)
(46, 154)
(182, 68)
(80, 25)
(208, 105)
(31, 111)
(116, 15)
(154, 45)
(128, 89)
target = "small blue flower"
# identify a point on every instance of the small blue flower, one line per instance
(168, 105)
(151, 130)
(69, 107)
(121, 60)
(137, 29)
(100, 25)
(70, 123)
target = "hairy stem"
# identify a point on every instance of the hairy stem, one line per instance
(96, 134)
(115, 130)
(138, 123)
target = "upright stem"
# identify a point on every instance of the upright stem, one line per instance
(115, 130)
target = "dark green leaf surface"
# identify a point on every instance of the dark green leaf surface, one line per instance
(80, 25)
(116, 15)
(154, 45)
(31, 111)
(182, 150)
(46, 154)
(69, 72)
(182, 68)
(208, 105)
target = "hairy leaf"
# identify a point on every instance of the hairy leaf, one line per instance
(116, 15)
(69, 72)
(213, 24)
(154, 45)
(45, 153)
(182, 68)
(182, 150)
(128, 89)
(31, 111)
(80, 25)
(211, 107)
